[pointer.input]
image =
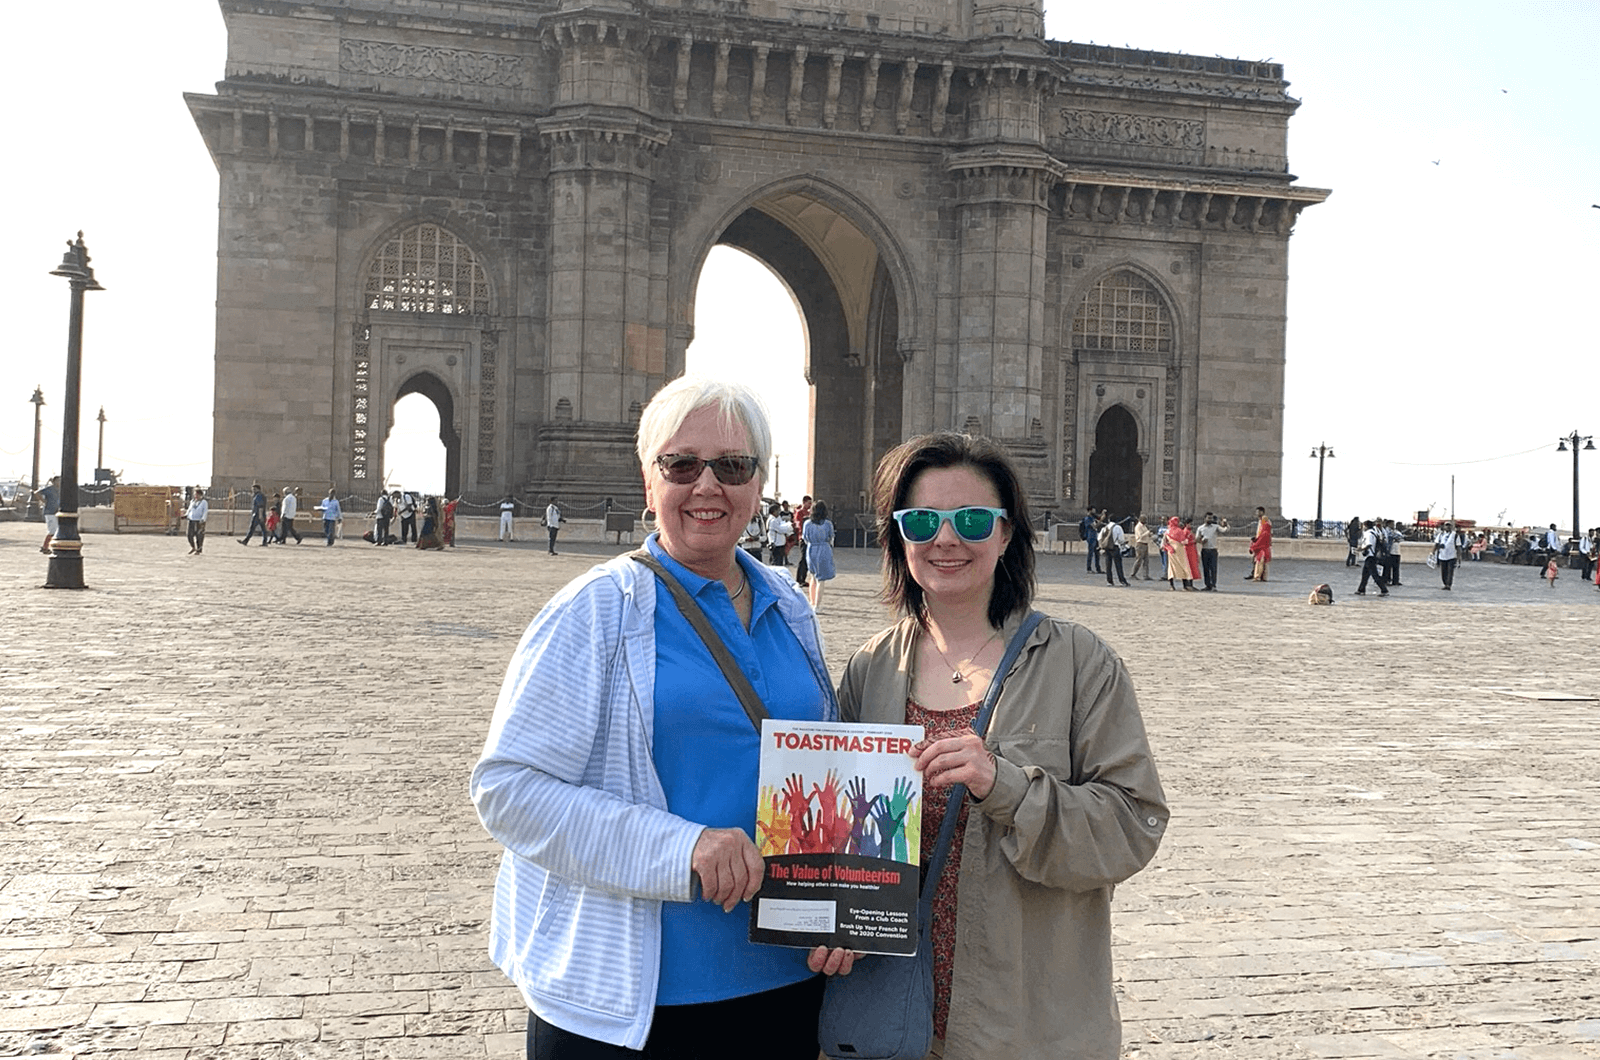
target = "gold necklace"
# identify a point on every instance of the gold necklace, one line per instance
(956, 676)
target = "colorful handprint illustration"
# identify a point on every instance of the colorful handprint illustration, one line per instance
(835, 819)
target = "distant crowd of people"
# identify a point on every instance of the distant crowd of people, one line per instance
(772, 536)
(1187, 552)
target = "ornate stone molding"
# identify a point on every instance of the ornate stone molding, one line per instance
(451, 65)
(1141, 129)
(360, 401)
(488, 392)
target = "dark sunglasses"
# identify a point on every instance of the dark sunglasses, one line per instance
(921, 525)
(683, 469)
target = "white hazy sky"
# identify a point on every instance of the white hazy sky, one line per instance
(1436, 322)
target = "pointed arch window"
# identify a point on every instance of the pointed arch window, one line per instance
(428, 269)
(1125, 313)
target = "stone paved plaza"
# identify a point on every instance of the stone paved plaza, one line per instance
(234, 820)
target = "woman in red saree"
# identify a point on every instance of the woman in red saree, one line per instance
(449, 531)
(1178, 544)
(1261, 546)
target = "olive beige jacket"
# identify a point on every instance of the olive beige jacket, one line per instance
(1076, 809)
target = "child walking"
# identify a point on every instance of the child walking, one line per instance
(1550, 571)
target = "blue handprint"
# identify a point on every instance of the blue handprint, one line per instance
(890, 832)
(870, 845)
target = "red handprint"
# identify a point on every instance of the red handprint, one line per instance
(834, 817)
(798, 808)
(813, 836)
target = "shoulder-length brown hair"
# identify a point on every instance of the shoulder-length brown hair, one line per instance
(891, 486)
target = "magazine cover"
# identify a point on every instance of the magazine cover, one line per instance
(839, 826)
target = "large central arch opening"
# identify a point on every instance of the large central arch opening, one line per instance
(748, 327)
(848, 390)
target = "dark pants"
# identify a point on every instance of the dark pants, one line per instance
(197, 536)
(801, 569)
(1208, 567)
(257, 521)
(329, 527)
(1093, 563)
(553, 531)
(1447, 572)
(380, 536)
(1114, 560)
(286, 530)
(1350, 560)
(1373, 568)
(783, 1022)
(408, 528)
(1392, 563)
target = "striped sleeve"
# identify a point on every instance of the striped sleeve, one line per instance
(548, 788)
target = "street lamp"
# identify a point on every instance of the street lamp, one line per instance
(33, 500)
(66, 551)
(100, 454)
(1320, 454)
(1561, 447)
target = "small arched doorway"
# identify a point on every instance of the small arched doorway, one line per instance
(434, 389)
(1116, 471)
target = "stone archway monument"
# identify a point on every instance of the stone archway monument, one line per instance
(513, 199)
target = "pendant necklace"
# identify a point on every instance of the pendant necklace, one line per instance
(956, 676)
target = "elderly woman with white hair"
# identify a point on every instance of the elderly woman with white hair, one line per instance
(620, 771)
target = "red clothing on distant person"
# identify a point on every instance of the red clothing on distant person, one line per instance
(1261, 544)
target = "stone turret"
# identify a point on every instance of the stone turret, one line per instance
(1020, 19)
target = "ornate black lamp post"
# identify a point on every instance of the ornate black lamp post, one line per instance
(34, 512)
(100, 454)
(1320, 454)
(1588, 444)
(66, 551)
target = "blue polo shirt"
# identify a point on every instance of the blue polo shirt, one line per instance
(708, 755)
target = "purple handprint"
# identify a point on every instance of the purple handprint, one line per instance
(860, 813)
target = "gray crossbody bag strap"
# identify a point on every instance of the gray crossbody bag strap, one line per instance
(748, 699)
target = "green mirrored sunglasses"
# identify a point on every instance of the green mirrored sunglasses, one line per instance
(921, 525)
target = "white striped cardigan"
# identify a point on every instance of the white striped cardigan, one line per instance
(568, 785)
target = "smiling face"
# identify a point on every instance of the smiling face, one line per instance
(701, 522)
(951, 571)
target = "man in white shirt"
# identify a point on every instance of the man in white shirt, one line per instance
(1552, 540)
(408, 516)
(196, 514)
(1446, 546)
(1391, 560)
(552, 522)
(1372, 565)
(1207, 533)
(1142, 540)
(1111, 541)
(508, 508)
(778, 531)
(291, 505)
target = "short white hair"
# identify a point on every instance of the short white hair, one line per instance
(687, 394)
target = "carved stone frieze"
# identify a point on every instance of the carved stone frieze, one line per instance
(1141, 129)
(451, 65)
